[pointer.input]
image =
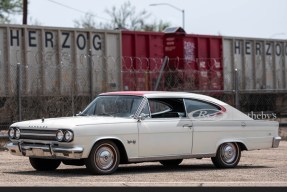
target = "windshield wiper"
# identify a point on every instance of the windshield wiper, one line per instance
(81, 114)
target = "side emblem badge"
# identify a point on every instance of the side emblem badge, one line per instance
(131, 141)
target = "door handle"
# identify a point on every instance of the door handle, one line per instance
(243, 124)
(187, 126)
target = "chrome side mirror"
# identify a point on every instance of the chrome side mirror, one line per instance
(142, 117)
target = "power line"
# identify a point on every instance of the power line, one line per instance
(66, 6)
(78, 10)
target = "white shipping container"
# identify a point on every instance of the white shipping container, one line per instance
(59, 61)
(261, 63)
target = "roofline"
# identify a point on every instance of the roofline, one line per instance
(144, 93)
(173, 94)
(133, 93)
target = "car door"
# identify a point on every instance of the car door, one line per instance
(209, 125)
(163, 133)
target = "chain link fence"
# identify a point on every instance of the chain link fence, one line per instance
(31, 91)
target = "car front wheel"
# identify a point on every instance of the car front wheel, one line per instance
(104, 158)
(227, 156)
(44, 164)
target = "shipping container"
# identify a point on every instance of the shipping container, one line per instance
(59, 61)
(65, 61)
(261, 63)
(142, 54)
(200, 58)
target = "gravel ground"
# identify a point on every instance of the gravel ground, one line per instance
(256, 168)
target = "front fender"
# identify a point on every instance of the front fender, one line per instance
(130, 148)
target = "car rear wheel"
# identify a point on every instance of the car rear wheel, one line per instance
(171, 163)
(227, 156)
(44, 164)
(104, 158)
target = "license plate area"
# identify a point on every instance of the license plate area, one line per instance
(38, 152)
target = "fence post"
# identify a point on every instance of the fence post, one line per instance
(90, 63)
(72, 95)
(19, 91)
(165, 61)
(236, 88)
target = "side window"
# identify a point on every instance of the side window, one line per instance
(197, 108)
(158, 107)
(146, 111)
(166, 108)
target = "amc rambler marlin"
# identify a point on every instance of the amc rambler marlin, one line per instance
(131, 127)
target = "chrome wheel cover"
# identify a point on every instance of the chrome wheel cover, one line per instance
(229, 153)
(105, 157)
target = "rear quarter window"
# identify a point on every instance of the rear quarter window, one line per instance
(198, 108)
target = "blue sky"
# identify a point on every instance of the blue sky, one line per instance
(244, 18)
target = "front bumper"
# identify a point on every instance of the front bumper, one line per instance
(45, 151)
(276, 141)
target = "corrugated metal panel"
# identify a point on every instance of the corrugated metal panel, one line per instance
(59, 61)
(201, 59)
(142, 44)
(261, 63)
(141, 53)
(3, 60)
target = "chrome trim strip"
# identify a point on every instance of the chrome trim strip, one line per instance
(276, 141)
(19, 146)
(34, 146)
(47, 142)
(159, 158)
(4, 136)
(140, 108)
(38, 134)
(49, 151)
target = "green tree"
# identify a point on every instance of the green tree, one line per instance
(156, 26)
(124, 17)
(9, 7)
(87, 22)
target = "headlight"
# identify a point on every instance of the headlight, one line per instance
(17, 133)
(11, 133)
(69, 136)
(64, 135)
(60, 135)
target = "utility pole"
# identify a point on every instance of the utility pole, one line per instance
(25, 12)
(172, 6)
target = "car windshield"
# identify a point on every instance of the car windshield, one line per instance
(112, 105)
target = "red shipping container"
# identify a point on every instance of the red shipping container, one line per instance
(200, 57)
(216, 80)
(142, 58)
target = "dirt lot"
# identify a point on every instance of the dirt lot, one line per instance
(256, 168)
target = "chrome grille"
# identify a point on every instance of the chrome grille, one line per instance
(36, 134)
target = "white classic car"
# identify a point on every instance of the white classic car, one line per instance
(140, 126)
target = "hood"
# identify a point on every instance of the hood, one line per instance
(69, 122)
